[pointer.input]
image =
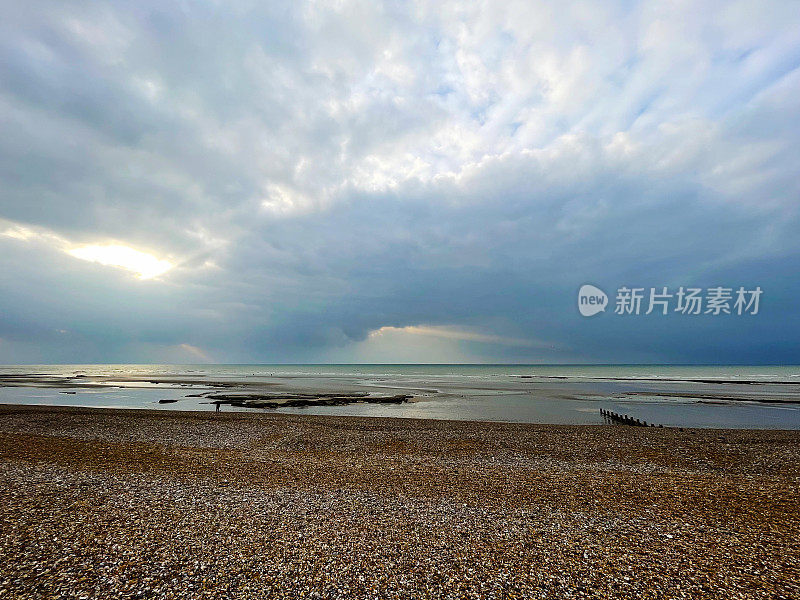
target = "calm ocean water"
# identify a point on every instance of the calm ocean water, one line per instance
(690, 396)
(746, 373)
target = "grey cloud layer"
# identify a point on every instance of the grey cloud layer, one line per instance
(319, 171)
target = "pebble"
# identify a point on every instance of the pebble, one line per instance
(139, 504)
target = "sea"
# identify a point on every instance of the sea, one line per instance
(758, 397)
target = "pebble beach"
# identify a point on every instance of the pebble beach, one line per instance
(104, 503)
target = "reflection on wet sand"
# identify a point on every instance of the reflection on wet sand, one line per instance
(742, 402)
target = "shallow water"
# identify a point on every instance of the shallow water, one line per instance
(669, 395)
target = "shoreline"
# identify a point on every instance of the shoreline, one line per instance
(699, 399)
(210, 414)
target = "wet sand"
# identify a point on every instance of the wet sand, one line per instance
(689, 398)
(152, 504)
(354, 387)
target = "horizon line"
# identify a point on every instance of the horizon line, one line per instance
(431, 364)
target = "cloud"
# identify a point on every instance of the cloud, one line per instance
(144, 264)
(195, 353)
(319, 171)
(452, 333)
(114, 254)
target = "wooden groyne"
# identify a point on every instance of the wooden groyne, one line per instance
(625, 419)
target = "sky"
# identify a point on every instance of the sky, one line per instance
(266, 182)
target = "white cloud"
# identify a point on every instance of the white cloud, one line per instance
(145, 265)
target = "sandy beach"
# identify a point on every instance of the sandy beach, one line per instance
(156, 504)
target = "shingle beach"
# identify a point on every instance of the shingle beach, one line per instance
(101, 503)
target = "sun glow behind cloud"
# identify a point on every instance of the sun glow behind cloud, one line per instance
(145, 265)
(112, 254)
(452, 333)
